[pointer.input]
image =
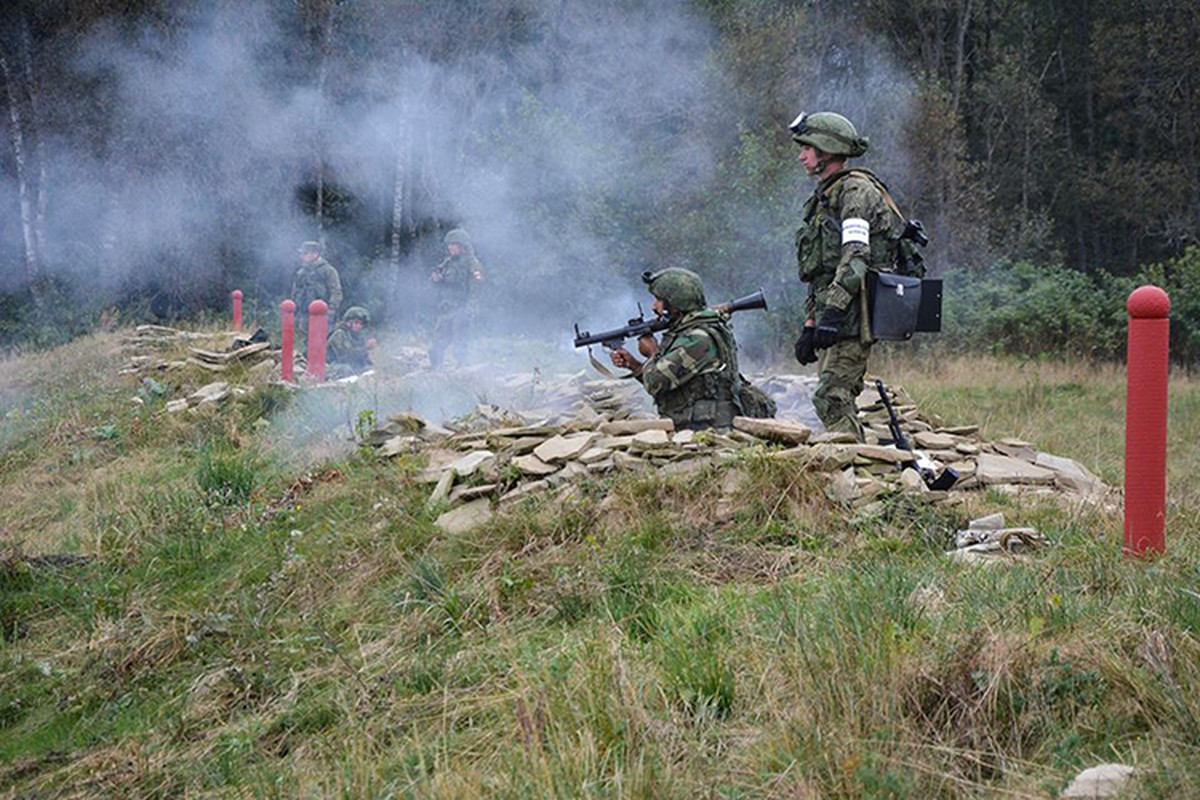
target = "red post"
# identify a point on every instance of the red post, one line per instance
(1146, 421)
(318, 329)
(237, 309)
(287, 311)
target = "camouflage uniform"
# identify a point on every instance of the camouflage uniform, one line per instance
(346, 350)
(454, 278)
(316, 280)
(694, 377)
(836, 274)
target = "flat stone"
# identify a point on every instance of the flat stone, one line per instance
(683, 437)
(992, 469)
(614, 442)
(399, 444)
(442, 490)
(821, 457)
(517, 446)
(930, 440)
(175, 406)
(1104, 780)
(465, 517)
(525, 490)
(842, 486)
(912, 481)
(967, 448)
(1015, 448)
(473, 462)
(688, 466)
(624, 461)
(594, 454)
(564, 448)
(833, 437)
(467, 493)
(650, 440)
(1071, 475)
(532, 465)
(886, 453)
(773, 430)
(210, 393)
(992, 522)
(627, 427)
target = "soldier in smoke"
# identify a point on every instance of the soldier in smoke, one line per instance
(454, 279)
(848, 229)
(350, 344)
(315, 279)
(693, 374)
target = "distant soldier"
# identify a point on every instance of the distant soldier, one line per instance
(349, 347)
(693, 374)
(849, 228)
(454, 279)
(315, 279)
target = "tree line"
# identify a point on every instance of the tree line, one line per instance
(160, 152)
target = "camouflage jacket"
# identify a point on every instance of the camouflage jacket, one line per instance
(348, 347)
(456, 274)
(694, 376)
(836, 273)
(317, 281)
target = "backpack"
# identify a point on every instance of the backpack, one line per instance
(755, 402)
(909, 259)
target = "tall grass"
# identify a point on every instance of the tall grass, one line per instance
(243, 629)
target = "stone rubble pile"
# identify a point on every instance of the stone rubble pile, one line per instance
(214, 352)
(495, 457)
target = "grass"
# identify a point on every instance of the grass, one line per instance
(254, 624)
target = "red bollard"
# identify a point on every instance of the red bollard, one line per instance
(237, 309)
(287, 311)
(318, 329)
(1146, 421)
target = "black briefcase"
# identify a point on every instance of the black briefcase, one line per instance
(902, 305)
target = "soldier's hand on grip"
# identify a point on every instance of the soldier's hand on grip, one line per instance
(806, 352)
(829, 328)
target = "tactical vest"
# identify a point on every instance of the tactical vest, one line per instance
(712, 399)
(819, 241)
(311, 283)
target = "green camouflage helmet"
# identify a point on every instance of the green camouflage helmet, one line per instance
(458, 236)
(357, 312)
(678, 287)
(830, 133)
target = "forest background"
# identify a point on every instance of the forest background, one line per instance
(159, 154)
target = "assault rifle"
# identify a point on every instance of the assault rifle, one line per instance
(922, 463)
(640, 326)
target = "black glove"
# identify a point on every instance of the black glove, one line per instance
(805, 352)
(829, 328)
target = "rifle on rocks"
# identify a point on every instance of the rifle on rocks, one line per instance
(923, 464)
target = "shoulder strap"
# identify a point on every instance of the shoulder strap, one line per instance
(882, 187)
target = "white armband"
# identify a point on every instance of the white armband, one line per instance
(855, 229)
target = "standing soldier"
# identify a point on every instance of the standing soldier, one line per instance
(849, 228)
(693, 375)
(315, 279)
(454, 278)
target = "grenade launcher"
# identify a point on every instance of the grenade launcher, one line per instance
(640, 326)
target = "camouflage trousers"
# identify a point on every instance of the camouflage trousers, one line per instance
(840, 372)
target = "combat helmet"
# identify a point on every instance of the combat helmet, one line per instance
(357, 312)
(680, 288)
(830, 133)
(457, 236)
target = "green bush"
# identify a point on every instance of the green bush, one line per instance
(1027, 310)
(1180, 278)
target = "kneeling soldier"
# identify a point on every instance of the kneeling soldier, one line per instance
(693, 374)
